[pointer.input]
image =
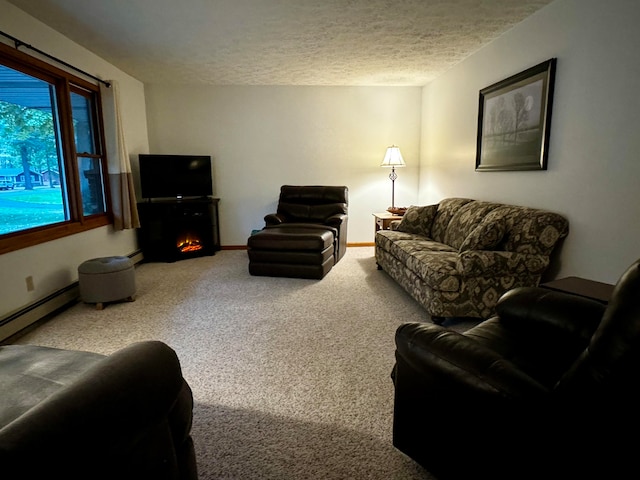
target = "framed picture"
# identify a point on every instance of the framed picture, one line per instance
(514, 119)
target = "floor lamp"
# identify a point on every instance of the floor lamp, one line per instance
(393, 158)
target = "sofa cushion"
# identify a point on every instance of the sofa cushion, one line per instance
(465, 220)
(418, 220)
(447, 208)
(433, 262)
(532, 231)
(487, 235)
(389, 240)
(385, 238)
(438, 269)
(29, 374)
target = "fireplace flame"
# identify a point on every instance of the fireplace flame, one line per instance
(189, 244)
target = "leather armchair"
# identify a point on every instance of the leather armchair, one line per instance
(78, 415)
(545, 389)
(324, 207)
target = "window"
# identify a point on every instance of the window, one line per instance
(53, 178)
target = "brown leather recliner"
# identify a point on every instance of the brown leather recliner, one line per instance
(78, 415)
(548, 388)
(321, 206)
(306, 236)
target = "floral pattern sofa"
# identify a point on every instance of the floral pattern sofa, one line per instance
(456, 258)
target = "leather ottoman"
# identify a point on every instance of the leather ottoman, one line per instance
(291, 251)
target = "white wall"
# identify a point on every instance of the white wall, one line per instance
(594, 155)
(263, 137)
(53, 265)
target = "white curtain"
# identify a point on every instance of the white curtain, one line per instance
(123, 196)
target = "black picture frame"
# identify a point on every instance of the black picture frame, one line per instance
(514, 121)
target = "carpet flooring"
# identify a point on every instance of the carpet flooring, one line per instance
(290, 376)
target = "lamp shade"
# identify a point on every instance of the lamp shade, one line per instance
(393, 158)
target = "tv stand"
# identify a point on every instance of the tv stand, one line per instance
(178, 228)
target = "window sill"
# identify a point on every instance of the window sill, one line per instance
(19, 240)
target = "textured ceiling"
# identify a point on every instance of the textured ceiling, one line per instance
(282, 42)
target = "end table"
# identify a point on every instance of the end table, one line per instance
(598, 291)
(383, 219)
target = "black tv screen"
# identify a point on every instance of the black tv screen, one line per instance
(175, 176)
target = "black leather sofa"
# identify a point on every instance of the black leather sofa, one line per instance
(548, 388)
(80, 415)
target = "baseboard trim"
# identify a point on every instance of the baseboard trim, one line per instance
(136, 257)
(244, 247)
(17, 322)
(20, 320)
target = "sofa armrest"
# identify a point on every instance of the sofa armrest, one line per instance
(491, 263)
(336, 220)
(544, 312)
(273, 219)
(442, 357)
(129, 413)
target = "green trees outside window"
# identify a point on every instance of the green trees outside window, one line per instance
(52, 165)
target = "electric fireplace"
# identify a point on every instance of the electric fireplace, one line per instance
(173, 230)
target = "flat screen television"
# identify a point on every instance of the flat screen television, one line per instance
(176, 176)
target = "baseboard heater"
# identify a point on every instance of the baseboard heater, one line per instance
(25, 317)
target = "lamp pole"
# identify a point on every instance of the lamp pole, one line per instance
(393, 175)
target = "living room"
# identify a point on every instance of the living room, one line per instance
(590, 178)
(261, 137)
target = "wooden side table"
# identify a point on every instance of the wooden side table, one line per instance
(601, 292)
(383, 219)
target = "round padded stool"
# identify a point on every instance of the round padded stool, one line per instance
(107, 279)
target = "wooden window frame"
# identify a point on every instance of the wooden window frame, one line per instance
(65, 83)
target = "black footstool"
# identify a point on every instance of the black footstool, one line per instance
(297, 252)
